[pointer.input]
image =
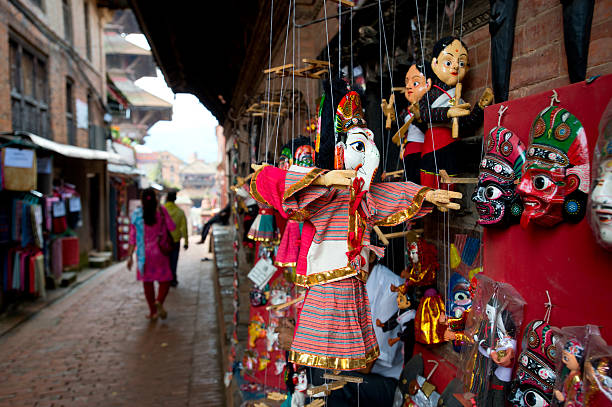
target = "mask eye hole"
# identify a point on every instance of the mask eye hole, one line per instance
(461, 297)
(541, 182)
(492, 192)
(358, 146)
(533, 399)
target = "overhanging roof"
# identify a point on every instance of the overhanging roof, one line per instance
(205, 47)
(114, 43)
(135, 95)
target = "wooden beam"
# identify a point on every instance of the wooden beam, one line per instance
(381, 235)
(316, 62)
(277, 396)
(346, 378)
(398, 89)
(447, 179)
(392, 174)
(346, 3)
(404, 233)
(278, 69)
(326, 388)
(285, 304)
(397, 138)
(316, 403)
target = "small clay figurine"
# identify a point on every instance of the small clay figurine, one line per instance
(572, 357)
(405, 318)
(437, 109)
(555, 179)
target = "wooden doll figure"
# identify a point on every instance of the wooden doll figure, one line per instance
(411, 141)
(438, 107)
(572, 357)
(403, 317)
(424, 264)
(334, 330)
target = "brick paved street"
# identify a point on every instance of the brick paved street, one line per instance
(94, 347)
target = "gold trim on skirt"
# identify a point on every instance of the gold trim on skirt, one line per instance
(328, 362)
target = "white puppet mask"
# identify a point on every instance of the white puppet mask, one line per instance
(361, 154)
(601, 202)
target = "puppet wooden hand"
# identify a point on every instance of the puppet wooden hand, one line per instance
(336, 178)
(414, 109)
(559, 396)
(486, 99)
(442, 198)
(257, 167)
(459, 110)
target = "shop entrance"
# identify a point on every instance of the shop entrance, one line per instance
(94, 209)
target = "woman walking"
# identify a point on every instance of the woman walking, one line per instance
(149, 236)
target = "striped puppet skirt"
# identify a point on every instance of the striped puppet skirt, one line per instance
(334, 328)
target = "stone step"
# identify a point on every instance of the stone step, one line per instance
(68, 277)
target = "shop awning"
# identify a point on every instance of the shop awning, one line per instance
(124, 169)
(138, 97)
(65, 149)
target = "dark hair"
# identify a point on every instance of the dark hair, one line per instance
(149, 206)
(443, 43)
(171, 196)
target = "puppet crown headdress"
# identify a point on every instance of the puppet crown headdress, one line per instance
(504, 156)
(349, 114)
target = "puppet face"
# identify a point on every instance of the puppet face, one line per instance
(304, 156)
(601, 202)
(459, 299)
(452, 64)
(402, 301)
(301, 382)
(570, 361)
(556, 166)
(284, 161)
(414, 253)
(361, 154)
(416, 85)
(496, 199)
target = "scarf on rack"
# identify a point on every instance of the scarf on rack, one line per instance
(138, 222)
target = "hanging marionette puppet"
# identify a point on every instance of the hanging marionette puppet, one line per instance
(439, 109)
(555, 179)
(489, 341)
(496, 198)
(572, 358)
(335, 330)
(289, 247)
(410, 138)
(403, 317)
(423, 258)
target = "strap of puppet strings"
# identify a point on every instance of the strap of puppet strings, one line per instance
(268, 81)
(329, 70)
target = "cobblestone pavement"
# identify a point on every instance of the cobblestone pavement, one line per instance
(94, 347)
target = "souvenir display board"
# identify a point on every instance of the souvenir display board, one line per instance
(564, 259)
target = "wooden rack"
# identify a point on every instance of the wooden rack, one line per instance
(314, 69)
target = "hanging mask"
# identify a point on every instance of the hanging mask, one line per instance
(600, 205)
(535, 375)
(459, 298)
(496, 199)
(257, 297)
(304, 156)
(358, 151)
(555, 179)
(285, 160)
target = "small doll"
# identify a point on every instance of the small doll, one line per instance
(424, 260)
(298, 398)
(437, 109)
(572, 357)
(403, 317)
(430, 318)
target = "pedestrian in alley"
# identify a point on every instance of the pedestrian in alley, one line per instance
(180, 220)
(221, 217)
(150, 238)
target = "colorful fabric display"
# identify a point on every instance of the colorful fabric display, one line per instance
(23, 270)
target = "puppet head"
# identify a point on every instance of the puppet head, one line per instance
(304, 156)
(416, 84)
(535, 375)
(285, 160)
(600, 207)
(300, 380)
(403, 300)
(450, 60)
(459, 298)
(556, 173)
(358, 151)
(423, 253)
(496, 199)
(573, 355)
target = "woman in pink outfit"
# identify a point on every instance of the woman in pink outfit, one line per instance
(149, 225)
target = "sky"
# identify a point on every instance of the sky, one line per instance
(192, 128)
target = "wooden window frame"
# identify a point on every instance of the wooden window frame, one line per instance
(39, 102)
(87, 29)
(67, 18)
(71, 128)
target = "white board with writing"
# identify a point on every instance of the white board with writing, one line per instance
(18, 158)
(262, 272)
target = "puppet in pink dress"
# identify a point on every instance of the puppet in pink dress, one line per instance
(334, 329)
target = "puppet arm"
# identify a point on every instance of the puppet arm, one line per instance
(389, 324)
(397, 202)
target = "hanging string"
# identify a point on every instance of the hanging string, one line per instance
(329, 70)
(293, 85)
(380, 69)
(268, 82)
(548, 306)
(351, 36)
(461, 28)
(280, 105)
(339, 36)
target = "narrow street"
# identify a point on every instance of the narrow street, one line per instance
(94, 347)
